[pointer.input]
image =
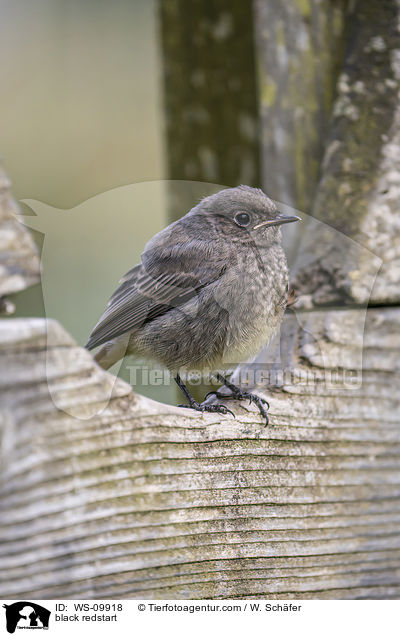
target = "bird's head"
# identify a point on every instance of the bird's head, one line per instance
(243, 213)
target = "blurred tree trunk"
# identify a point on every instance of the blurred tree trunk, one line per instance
(299, 53)
(212, 131)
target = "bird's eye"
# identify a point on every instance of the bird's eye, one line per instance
(242, 219)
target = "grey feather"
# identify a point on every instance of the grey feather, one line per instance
(171, 278)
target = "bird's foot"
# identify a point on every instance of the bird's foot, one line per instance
(238, 394)
(209, 408)
(193, 404)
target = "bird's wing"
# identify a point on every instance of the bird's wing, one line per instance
(166, 278)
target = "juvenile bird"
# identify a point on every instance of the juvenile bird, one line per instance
(211, 286)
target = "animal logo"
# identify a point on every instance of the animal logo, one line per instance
(25, 614)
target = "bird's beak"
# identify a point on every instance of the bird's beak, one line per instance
(278, 220)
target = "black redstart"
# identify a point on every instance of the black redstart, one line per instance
(211, 285)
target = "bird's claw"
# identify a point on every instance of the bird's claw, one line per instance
(209, 408)
(261, 403)
(256, 399)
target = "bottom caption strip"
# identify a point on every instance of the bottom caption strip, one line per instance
(177, 617)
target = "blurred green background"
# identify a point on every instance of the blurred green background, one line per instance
(81, 97)
(81, 114)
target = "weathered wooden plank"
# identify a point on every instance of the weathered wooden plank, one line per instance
(103, 506)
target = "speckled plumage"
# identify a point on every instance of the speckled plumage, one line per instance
(207, 290)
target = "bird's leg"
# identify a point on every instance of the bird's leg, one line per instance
(239, 394)
(193, 404)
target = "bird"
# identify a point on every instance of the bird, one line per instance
(212, 284)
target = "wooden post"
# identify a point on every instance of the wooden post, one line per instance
(212, 120)
(299, 53)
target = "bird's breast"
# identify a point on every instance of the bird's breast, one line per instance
(255, 303)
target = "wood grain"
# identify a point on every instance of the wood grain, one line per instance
(147, 501)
